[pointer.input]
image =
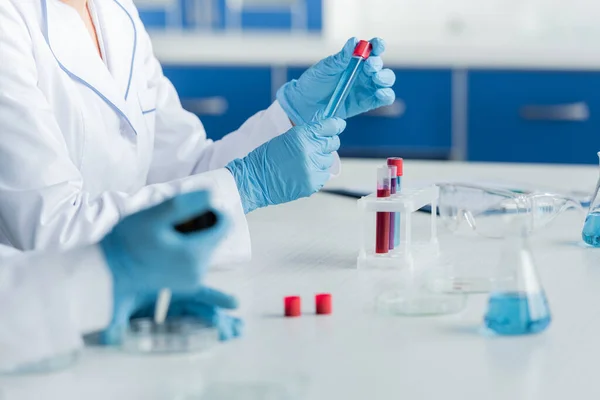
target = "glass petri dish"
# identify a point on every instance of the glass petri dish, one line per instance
(464, 285)
(175, 335)
(420, 303)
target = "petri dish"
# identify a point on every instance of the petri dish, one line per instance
(175, 335)
(420, 303)
(464, 284)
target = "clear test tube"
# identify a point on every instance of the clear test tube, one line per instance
(382, 224)
(399, 164)
(393, 185)
(362, 51)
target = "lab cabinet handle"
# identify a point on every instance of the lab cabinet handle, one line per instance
(394, 110)
(574, 112)
(211, 106)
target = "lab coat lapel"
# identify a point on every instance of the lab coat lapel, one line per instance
(76, 53)
(120, 40)
(73, 49)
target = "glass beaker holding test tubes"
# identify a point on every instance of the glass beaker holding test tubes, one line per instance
(417, 253)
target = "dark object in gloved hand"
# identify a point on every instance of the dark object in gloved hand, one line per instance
(204, 221)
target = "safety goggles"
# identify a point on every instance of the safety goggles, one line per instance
(491, 212)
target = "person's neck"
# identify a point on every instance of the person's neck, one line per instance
(79, 5)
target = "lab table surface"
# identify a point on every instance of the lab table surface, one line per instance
(310, 246)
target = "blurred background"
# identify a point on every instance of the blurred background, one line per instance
(478, 80)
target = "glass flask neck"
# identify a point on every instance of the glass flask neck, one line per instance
(595, 200)
(518, 264)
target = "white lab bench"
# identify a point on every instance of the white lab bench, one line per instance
(310, 246)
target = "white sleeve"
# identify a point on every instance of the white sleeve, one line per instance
(49, 300)
(181, 147)
(42, 201)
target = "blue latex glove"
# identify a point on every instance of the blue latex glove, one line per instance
(145, 253)
(206, 305)
(304, 98)
(290, 166)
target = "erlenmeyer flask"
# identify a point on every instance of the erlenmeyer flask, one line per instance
(517, 303)
(591, 227)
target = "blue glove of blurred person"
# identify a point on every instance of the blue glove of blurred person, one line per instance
(145, 253)
(302, 99)
(290, 166)
(205, 305)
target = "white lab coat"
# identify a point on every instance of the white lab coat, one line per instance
(48, 301)
(85, 141)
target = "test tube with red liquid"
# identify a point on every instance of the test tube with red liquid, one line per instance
(382, 224)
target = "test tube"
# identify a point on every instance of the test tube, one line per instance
(361, 53)
(393, 185)
(163, 301)
(399, 164)
(382, 224)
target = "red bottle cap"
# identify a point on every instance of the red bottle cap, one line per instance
(292, 306)
(323, 303)
(363, 49)
(398, 162)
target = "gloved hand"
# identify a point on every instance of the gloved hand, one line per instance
(205, 305)
(145, 253)
(302, 99)
(290, 166)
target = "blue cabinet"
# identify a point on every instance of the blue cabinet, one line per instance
(308, 15)
(418, 124)
(534, 116)
(223, 97)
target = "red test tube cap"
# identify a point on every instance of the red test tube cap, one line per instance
(323, 303)
(292, 306)
(363, 49)
(398, 162)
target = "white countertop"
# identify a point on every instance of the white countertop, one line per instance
(403, 51)
(310, 246)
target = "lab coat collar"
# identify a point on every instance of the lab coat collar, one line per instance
(120, 39)
(78, 57)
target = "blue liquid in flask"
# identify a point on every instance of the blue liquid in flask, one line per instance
(591, 229)
(517, 313)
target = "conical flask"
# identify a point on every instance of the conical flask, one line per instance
(517, 303)
(591, 227)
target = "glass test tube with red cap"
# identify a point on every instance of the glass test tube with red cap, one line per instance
(395, 217)
(393, 186)
(362, 51)
(382, 223)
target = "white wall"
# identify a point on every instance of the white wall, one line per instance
(472, 20)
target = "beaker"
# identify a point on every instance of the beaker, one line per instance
(476, 216)
(517, 304)
(411, 261)
(591, 227)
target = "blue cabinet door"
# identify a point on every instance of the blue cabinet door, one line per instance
(534, 116)
(223, 97)
(263, 17)
(309, 12)
(418, 124)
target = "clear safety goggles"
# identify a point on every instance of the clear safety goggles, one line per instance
(490, 212)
